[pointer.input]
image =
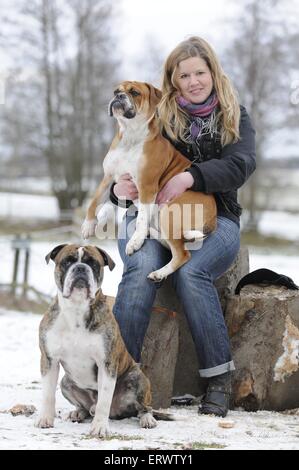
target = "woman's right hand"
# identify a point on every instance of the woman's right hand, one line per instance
(125, 188)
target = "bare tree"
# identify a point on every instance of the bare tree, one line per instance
(259, 61)
(150, 65)
(76, 94)
(69, 44)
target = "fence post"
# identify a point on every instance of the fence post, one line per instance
(16, 247)
(26, 266)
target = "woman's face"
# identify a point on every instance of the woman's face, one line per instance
(194, 79)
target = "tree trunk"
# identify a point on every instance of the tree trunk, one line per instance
(159, 355)
(68, 200)
(263, 324)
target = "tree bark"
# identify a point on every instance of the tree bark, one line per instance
(159, 355)
(263, 323)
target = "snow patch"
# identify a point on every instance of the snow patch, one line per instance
(20, 384)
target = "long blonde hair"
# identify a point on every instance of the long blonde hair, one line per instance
(172, 118)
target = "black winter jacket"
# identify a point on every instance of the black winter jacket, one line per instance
(219, 170)
(222, 170)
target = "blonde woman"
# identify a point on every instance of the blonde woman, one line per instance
(200, 115)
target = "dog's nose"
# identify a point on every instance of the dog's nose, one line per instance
(80, 268)
(121, 96)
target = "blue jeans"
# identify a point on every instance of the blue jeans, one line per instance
(194, 285)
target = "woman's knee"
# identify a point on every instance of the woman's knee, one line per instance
(150, 257)
(147, 259)
(188, 276)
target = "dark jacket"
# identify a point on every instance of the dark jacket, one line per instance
(219, 170)
(222, 170)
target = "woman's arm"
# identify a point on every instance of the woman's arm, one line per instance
(124, 191)
(177, 185)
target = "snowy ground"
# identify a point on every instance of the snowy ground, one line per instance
(20, 378)
(24, 206)
(20, 384)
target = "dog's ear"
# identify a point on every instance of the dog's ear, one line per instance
(158, 93)
(52, 255)
(155, 94)
(107, 259)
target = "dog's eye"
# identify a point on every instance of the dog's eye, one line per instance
(69, 261)
(134, 93)
(91, 262)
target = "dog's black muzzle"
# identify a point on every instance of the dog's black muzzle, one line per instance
(130, 113)
(80, 283)
(119, 103)
(80, 278)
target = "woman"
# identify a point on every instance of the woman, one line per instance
(200, 115)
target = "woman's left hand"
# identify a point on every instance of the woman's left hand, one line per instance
(174, 187)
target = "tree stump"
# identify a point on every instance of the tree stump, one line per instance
(181, 376)
(159, 355)
(263, 323)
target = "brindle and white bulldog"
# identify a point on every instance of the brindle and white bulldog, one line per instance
(79, 332)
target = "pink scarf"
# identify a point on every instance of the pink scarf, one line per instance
(201, 109)
(198, 112)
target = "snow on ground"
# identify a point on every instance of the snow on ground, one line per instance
(19, 363)
(280, 224)
(27, 184)
(27, 206)
(20, 384)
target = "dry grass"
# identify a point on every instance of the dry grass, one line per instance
(21, 303)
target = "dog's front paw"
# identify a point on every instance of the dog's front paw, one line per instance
(45, 422)
(158, 275)
(134, 244)
(147, 421)
(77, 416)
(99, 429)
(88, 228)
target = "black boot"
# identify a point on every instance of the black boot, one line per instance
(216, 399)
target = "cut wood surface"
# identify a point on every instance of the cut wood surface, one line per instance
(263, 322)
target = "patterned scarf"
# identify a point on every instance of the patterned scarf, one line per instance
(202, 116)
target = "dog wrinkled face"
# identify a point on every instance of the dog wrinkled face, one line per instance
(131, 98)
(79, 271)
(79, 268)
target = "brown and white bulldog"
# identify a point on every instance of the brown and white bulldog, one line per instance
(139, 149)
(79, 332)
